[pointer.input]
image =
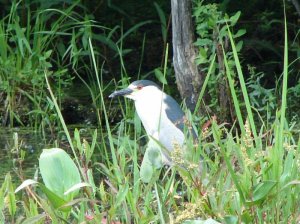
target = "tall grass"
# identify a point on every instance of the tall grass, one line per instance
(26, 51)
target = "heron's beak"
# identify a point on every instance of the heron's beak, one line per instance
(122, 92)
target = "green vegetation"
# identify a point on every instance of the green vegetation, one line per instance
(250, 171)
(25, 54)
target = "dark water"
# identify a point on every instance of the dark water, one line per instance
(12, 142)
(15, 140)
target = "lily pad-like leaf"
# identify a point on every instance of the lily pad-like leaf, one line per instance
(59, 172)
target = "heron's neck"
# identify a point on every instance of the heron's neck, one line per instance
(151, 110)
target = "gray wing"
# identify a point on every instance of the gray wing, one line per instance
(175, 114)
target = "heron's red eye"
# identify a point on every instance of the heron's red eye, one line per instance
(139, 87)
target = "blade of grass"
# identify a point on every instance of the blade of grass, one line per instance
(279, 150)
(163, 21)
(233, 94)
(244, 89)
(110, 138)
(162, 221)
(234, 177)
(204, 85)
(66, 131)
(284, 84)
(132, 29)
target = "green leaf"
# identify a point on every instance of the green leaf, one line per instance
(11, 203)
(235, 18)
(262, 190)
(133, 29)
(103, 39)
(294, 182)
(35, 219)
(203, 42)
(91, 148)
(207, 221)
(160, 76)
(48, 54)
(3, 189)
(246, 217)
(231, 219)
(77, 141)
(123, 190)
(26, 183)
(241, 32)
(239, 46)
(76, 187)
(59, 172)
(163, 20)
(55, 199)
(152, 160)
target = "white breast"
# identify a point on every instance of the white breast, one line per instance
(152, 113)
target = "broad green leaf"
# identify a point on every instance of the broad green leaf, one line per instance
(59, 172)
(262, 190)
(55, 199)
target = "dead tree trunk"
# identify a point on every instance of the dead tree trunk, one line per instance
(189, 79)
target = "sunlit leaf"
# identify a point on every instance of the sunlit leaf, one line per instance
(26, 183)
(59, 172)
(77, 187)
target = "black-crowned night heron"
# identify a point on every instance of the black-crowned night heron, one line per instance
(161, 116)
